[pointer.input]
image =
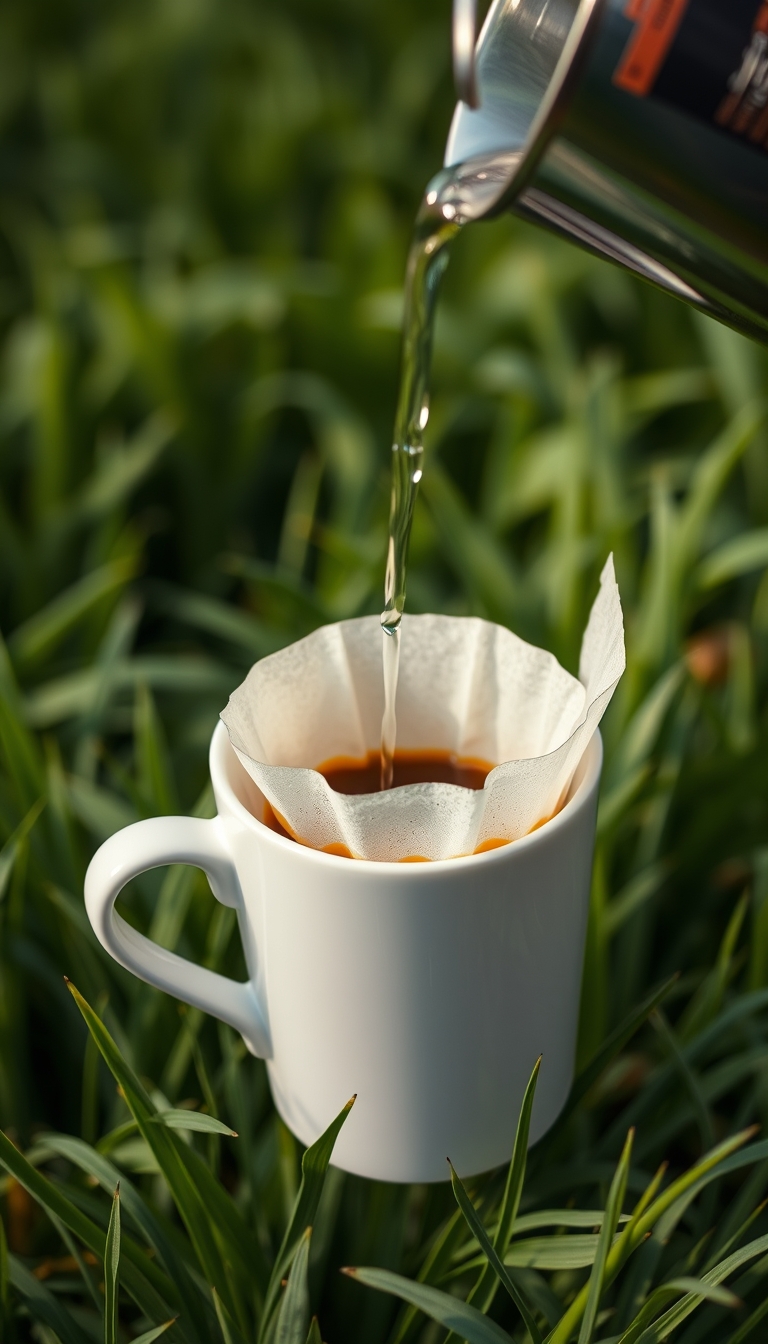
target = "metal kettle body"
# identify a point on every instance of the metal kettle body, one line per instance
(637, 129)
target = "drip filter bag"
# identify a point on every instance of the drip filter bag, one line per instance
(465, 686)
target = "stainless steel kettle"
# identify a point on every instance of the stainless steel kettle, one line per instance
(636, 128)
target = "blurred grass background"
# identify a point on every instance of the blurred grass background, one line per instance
(204, 217)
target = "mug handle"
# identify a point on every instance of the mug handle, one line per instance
(152, 844)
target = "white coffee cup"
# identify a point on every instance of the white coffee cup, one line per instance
(428, 989)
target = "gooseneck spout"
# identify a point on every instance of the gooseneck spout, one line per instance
(637, 129)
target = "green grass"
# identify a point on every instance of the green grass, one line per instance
(204, 217)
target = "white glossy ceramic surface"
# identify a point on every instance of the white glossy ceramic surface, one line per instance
(429, 989)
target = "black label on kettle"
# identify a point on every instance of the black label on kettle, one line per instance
(707, 57)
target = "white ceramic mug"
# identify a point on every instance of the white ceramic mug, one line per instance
(429, 989)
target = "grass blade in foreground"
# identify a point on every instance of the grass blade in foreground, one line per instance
(436, 1264)
(112, 1270)
(195, 1121)
(696, 1287)
(610, 1223)
(677, 1314)
(551, 1252)
(745, 1331)
(478, 1231)
(43, 1304)
(485, 1289)
(229, 1331)
(314, 1165)
(464, 1321)
(150, 1335)
(216, 1228)
(141, 1278)
(197, 1322)
(642, 1222)
(293, 1316)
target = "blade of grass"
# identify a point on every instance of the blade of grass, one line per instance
(707, 1001)
(638, 890)
(642, 732)
(43, 1304)
(126, 466)
(516, 1174)
(40, 633)
(96, 1166)
(229, 1331)
(21, 756)
(4, 1279)
(688, 1077)
(484, 566)
(74, 694)
(733, 558)
(314, 1165)
(435, 1265)
(650, 394)
(741, 1008)
(77, 1256)
(747, 1327)
(612, 1046)
(293, 1313)
(664, 1326)
(672, 1215)
(141, 1278)
(465, 1321)
(613, 1210)
(675, 1288)
(483, 1292)
(227, 622)
(215, 1225)
(555, 1252)
(112, 1270)
(12, 846)
(196, 1121)
(150, 1335)
(642, 1222)
(736, 1236)
(484, 1289)
(489, 1251)
(710, 474)
(528, 1222)
(153, 767)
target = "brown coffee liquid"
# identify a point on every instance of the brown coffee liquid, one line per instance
(346, 774)
(349, 774)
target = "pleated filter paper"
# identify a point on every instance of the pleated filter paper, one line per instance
(466, 686)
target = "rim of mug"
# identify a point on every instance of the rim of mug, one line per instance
(591, 763)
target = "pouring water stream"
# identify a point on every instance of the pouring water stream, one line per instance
(452, 199)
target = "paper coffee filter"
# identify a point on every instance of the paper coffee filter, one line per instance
(466, 686)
